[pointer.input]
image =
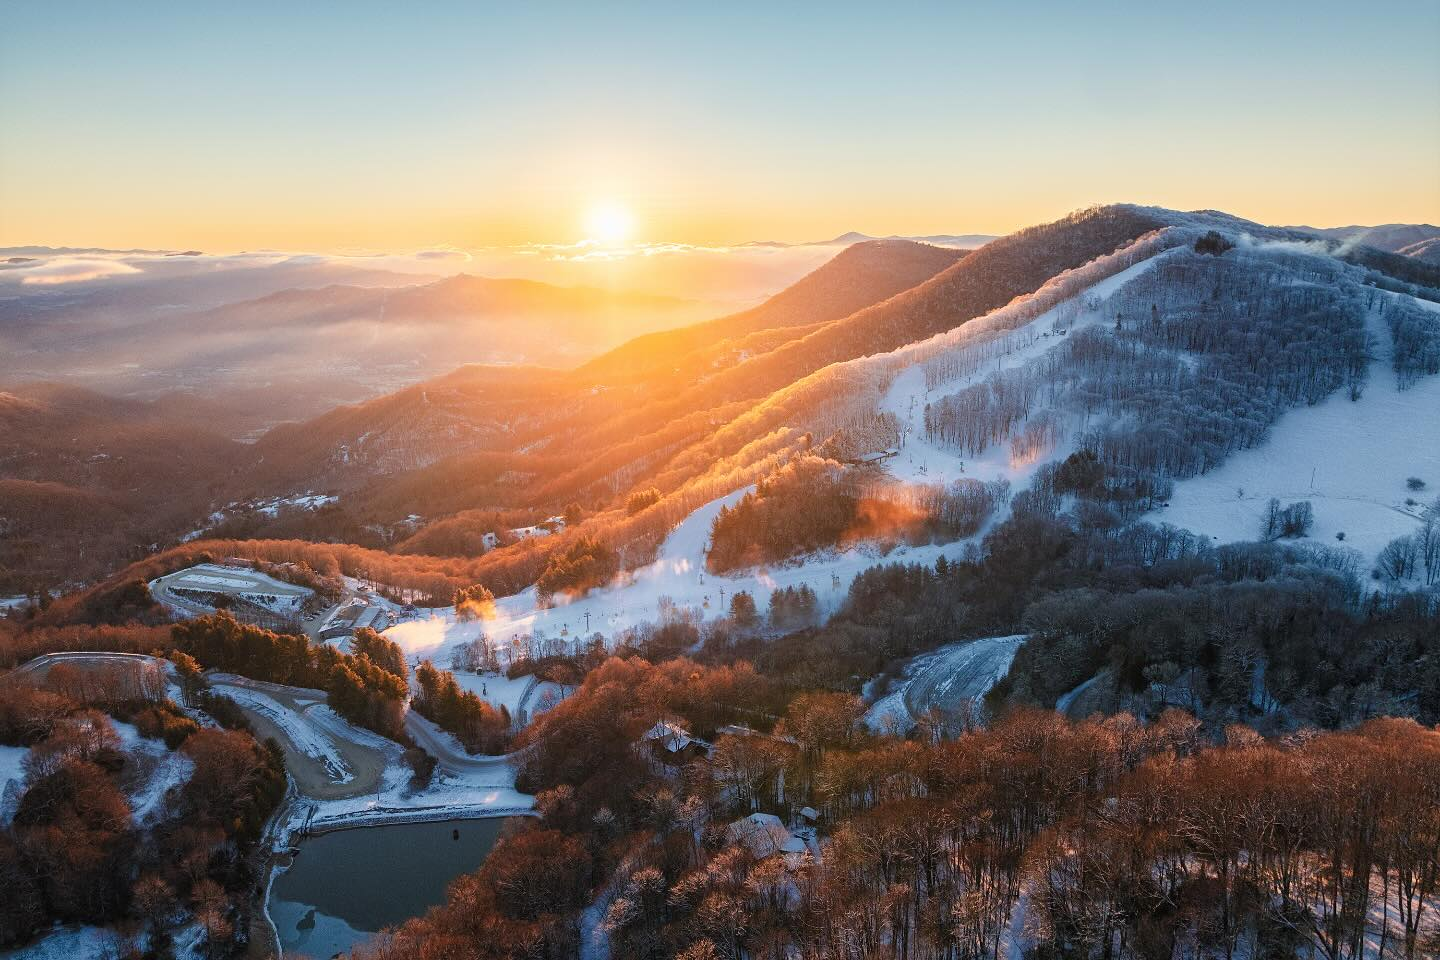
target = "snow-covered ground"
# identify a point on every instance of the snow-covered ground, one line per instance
(678, 574)
(946, 679)
(71, 943)
(527, 693)
(12, 779)
(921, 461)
(449, 796)
(152, 771)
(1349, 459)
(101, 943)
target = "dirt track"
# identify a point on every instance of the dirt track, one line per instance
(312, 777)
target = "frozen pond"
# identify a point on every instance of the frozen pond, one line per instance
(346, 885)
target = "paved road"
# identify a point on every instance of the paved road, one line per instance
(447, 753)
(39, 667)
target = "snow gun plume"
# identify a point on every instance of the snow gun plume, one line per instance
(884, 520)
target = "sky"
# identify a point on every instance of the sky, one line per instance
(382, 127)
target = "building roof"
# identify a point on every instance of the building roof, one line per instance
(763, 834)
(672, 737)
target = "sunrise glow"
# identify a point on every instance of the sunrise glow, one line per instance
(609, 222)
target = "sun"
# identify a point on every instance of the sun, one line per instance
(608, 222)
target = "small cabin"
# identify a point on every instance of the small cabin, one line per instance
(673, 745)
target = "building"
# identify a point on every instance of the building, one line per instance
(673, 745)
(248, 594)
(764, 836)
(354, 616)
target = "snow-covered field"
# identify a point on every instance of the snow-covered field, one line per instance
(1349, 459)
(948, 680)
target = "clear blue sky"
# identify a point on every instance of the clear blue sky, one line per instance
(329, 124)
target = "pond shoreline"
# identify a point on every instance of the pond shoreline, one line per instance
(289, 836)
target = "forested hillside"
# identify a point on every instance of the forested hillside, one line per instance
(88, 482)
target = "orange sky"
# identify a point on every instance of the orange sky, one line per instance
(172, 126)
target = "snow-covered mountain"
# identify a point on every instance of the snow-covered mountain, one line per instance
(1144, 371)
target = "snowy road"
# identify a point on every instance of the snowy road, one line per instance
(951, 679)
(955, 676)
(451, 756)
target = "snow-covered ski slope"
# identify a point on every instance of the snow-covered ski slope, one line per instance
(921, 461)
(678, 573)
(1360, 454)
(1350, 459)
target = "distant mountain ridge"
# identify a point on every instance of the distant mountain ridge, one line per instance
(692, 411)
(611, 422)
(1390, 237)
(962, 240)
(1427, 251)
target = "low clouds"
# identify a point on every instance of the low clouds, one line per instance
(72, 270)
(444, 252)
(727, 276)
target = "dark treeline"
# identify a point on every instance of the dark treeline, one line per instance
(808, 504)
(812, 503)
(1415, 330)
(360, 690)
(586, 563)
(1272, 633)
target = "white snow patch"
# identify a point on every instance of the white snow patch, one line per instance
(152, 770)
(1349, 459)
(12, 780)
(946, 679)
